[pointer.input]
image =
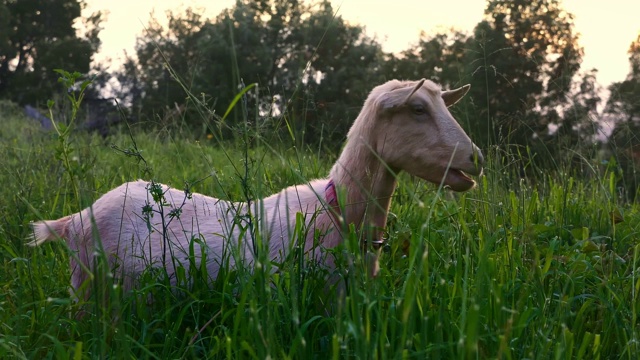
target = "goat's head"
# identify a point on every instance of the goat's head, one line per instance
(415, 132)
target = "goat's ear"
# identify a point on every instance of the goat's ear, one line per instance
(453, 96)
(398, 97)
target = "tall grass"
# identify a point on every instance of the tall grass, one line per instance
(517, 268)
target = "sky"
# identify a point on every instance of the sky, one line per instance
(606, 28)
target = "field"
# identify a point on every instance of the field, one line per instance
(544, 266)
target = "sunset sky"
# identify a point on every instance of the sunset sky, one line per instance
(607, 28)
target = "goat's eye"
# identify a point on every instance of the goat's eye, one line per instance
(419, 109)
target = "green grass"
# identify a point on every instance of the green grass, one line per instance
(513, 269)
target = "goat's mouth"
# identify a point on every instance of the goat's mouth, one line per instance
(458, 180)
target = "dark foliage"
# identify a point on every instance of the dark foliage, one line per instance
(37, 37)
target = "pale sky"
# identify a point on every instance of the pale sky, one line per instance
(607, 28)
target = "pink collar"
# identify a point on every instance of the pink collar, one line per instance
(331, 196)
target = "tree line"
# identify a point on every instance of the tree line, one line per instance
(314, 69)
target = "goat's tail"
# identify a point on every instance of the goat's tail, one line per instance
(48, 230)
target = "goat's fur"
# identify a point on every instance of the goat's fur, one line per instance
(403, 126)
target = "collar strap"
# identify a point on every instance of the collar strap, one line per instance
(331, 197)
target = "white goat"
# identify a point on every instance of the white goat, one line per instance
(403, 126)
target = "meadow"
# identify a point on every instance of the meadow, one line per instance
(538, 266)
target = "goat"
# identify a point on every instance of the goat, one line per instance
(403, 126)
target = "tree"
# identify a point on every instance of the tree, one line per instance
(37, 37)
(521, 65)
(624, 102)
(623, 107)
(522, 61)
(210, 58)
(439, 58)
(312, 68)
(147, 80)
(341, 65)
(578, 127)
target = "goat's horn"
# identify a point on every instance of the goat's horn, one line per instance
(418, 86)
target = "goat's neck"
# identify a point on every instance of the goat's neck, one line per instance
(367, 185)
